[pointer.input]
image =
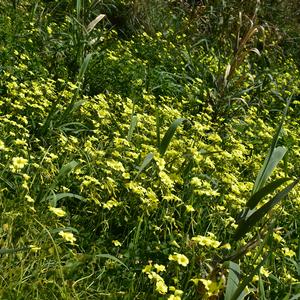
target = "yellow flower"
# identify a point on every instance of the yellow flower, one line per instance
(212, 288)
(189, 208)
(49, 29)
(160, 268)
(67, 236)
(58, 211)
(209, 241)
(181, 259)
(264, 271)
(29, 199)
(161, 287)
(116, 243)
(147, 269)
(226, 246)
(288, 252)
(18, 163)
(34, 248)
(2, 145)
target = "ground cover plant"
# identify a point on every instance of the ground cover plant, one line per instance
(141, 160)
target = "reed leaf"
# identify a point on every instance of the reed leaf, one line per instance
(233, 280)
(92, 24)
(247, 224)
(169, 135)
(275, 154)
(239, 293)
(269, 188)
(144, 164)
(133, 124)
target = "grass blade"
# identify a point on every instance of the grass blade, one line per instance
(269, 188)
(10, 251)
(144, 164)
(83, 67)
(270, 163)
(66, 169)
(92, 24)
(246, 225)
(270, 160)
(168, 136)
(233, 280)
(112, 258)
(239, 291)
(78, 8)
(133, 124)
(56, 197)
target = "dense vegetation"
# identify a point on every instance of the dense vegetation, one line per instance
(149, 150)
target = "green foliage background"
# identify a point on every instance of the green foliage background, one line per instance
(130, 146)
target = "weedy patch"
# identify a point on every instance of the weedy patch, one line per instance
(132, 171)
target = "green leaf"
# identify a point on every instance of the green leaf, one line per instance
(233, 280)
(270, 163)
(112, 258)
(133, 124)
(13, 250)
(56, 197)
(144, 164)
(269, 188)
(83, 67)
(92, 24)
(273, 157)
(78, 8)
(168, 135)
(66, 169)
(239, 292)
(246, 225)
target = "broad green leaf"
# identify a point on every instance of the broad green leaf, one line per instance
(246, 225)
(239, 292)
(269, 188)
(67, 168)
(145, 163)
(233, 280)
(272, 159)
(269, 165)
(168, 135)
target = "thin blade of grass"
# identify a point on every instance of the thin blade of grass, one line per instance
(246, 226)
(78, 8)
(144, 164)
(168, 136)
(56, 197)
(133, 124)
(112, 258)
(11, 250)
(83, 67)
(262, 295)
